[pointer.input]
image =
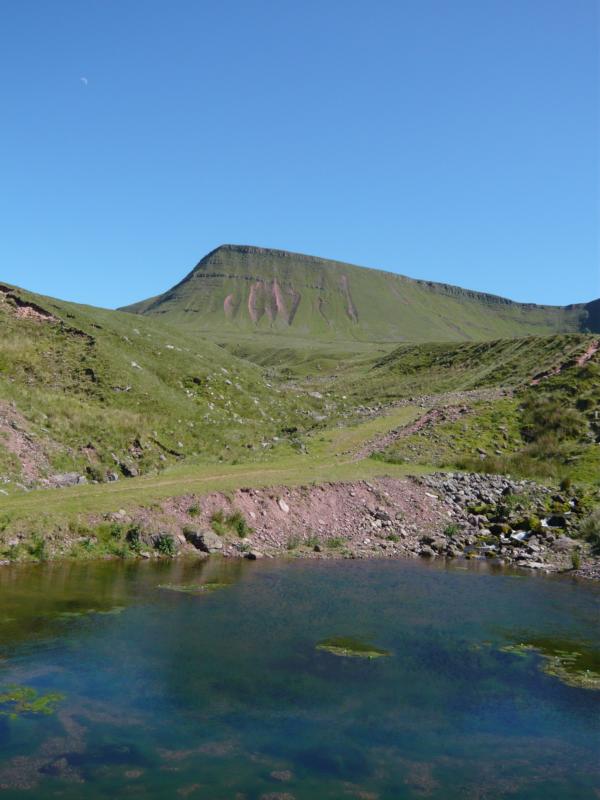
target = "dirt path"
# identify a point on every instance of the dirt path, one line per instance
(431, 418)
(447, 407)
(589, 353)
(580, 361)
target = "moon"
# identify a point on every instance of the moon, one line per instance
(84, 81)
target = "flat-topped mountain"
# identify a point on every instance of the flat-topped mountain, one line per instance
(254, 289)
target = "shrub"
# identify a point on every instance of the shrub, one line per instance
(452, 529)
(5, 521)
(293, 542)
(237, 522)
(545, 417)
(37, 548)
(134, 538)
(194, 510)
(335, 542)
(589, 529)
(165, 544)
(217, 523)
(115, 530)
(576, 559)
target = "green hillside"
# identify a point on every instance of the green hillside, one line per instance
(107, 395)
(431, 368)
(239, 290)
(546, 426)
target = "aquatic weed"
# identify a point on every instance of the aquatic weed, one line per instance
(18, 700)
(351, 648)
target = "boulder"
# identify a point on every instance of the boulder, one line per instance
(207, 541)
(564, 544)
(253, 555)
(67, 479)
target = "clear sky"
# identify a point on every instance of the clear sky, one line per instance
(453, 140)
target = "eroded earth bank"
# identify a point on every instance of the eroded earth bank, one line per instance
(441, 515)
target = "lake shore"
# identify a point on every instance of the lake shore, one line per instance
(443, 515)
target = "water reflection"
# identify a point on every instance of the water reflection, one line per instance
(224, 694)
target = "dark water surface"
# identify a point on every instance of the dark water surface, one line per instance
(223, 695)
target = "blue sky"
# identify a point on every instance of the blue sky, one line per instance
(453, 141)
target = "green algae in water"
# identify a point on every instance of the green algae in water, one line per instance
(194, 588)
(16, 701)
(351, 648)
(579, 668)
(88, 612)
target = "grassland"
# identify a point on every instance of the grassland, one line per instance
(442, 367)
(329, 457)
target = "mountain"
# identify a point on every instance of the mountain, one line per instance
(246, 290)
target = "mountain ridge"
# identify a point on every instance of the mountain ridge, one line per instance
(251, 288)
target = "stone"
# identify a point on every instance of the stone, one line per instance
(564, 544)
(283, 505)
(67, 479)
(207, 541)
(253, 555)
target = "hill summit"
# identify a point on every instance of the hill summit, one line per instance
(254, 289)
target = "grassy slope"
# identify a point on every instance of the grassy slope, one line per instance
(329, 457)
(547, 430)
(437, 367)
(334, 301)
(82, 401)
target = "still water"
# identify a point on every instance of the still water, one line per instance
(155, 693)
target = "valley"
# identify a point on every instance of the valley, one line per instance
(114, 420)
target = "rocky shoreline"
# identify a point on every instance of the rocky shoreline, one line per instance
(442, 515)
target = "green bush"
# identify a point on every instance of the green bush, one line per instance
(547, 418)
(37, 548)
(165, 544)
(115, 530)
(589, 529)
(335, 542)
(237, 522)
(194, 510)
(133, 538)
(217, 523)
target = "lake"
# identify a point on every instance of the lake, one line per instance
(206, 680)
